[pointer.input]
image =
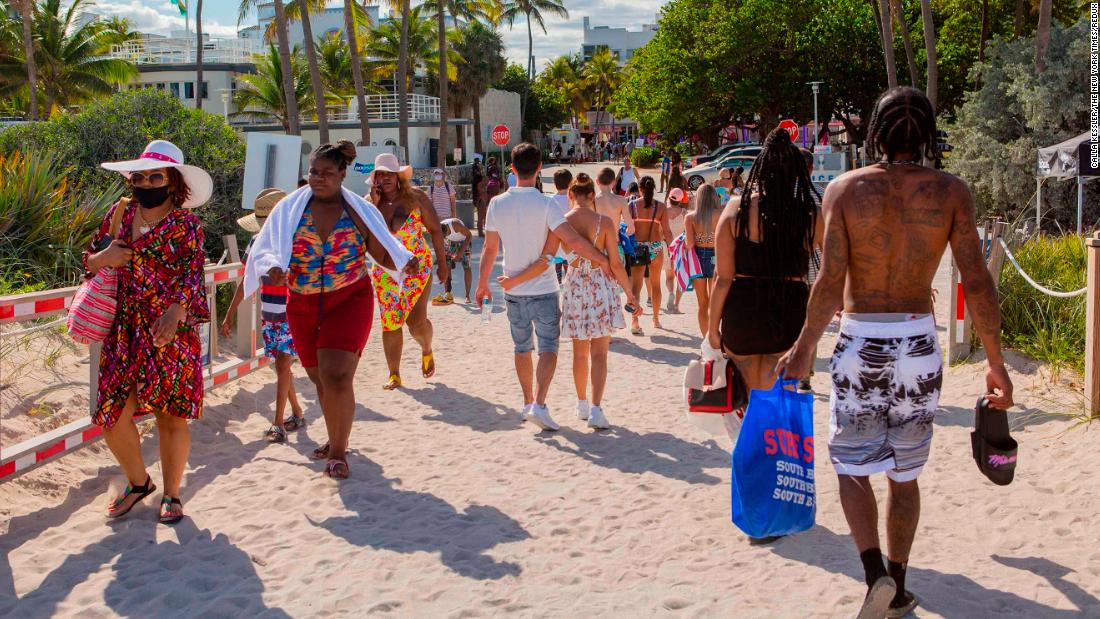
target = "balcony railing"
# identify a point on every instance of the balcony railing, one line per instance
(422, 108)
(182, 51)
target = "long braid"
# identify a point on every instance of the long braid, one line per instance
(903, 121)
(786, 215)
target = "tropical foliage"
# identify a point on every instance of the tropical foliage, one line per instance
(483, 49)
(532, 12)
(69, 55)
(383, 47)
(260, 95)
(119, 127)
(546, 107)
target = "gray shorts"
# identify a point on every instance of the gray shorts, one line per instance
(886, 388)
(538, 315)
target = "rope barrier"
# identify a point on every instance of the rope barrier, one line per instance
(1036, 285)
(28, 330)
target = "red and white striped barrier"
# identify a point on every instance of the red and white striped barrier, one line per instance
(24, 456)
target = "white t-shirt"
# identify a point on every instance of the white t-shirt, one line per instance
(524, 217)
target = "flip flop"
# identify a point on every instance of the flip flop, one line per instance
(320, 453)
(427, 363)
(993, 447)
(141, 492)
(166, 516)
(295, 422)
(637, 331)
(878, 599)
(393, 383)
(337, 468)
(275, 434)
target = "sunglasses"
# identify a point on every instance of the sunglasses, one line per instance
(156, 178)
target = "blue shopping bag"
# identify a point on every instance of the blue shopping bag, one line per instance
(773, 463)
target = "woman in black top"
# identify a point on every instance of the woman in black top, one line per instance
(762, 247)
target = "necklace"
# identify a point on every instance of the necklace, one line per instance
(908, 162)
(146, 225)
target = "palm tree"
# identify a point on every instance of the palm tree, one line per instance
(444, 113)
(334, 62)
(293, 124)
(933, 76)
(351, 31)
(564, 74)
(602, 75)
(402, 85)
(27, 12)
(198, 55)
(483, 49)
(984, 34)
(383, 47)
(1042, 37)
(531, 10)
(122, 29)
(887, 32)
(261, 94)
(301, 10)
(70, 57)
(899, 13)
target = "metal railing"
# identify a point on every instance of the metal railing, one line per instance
(182, 51)
(387, 107)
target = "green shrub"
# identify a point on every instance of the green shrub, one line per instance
(120, 126)
(1048, 328)
(45, 222)
(645, 156)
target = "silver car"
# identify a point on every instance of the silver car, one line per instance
(708, 172)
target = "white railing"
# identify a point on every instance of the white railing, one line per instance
(182, 51)
(379, 107)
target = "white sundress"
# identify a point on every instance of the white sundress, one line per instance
(590, 304)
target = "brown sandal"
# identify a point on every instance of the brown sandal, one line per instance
(337, 468)
(320, 453)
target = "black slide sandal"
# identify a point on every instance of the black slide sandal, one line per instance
(993, 447)
(141, 492)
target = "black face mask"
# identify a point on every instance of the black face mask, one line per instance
(151, 197)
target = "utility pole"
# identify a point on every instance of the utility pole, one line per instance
(816, 87)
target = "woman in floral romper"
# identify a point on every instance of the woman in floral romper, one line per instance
(151, 360)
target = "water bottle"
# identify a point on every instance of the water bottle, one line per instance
(486, 311)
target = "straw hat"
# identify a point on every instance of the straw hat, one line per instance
(387, 162)
(265, 203)
(164, 154)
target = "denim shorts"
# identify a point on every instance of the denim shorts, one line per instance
(538, 315)
(706, 261)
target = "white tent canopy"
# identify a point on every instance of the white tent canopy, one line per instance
(1062, 161)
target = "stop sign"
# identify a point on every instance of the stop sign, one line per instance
(501, 135)
(791, 127)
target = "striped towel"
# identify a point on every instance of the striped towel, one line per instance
(685, 263)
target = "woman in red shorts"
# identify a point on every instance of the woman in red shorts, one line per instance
(317, 240)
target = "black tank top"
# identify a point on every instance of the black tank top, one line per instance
(751, 261)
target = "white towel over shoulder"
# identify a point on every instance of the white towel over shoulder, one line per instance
(274, 244)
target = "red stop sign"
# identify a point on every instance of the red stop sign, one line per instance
(791, 127)
(501, 135)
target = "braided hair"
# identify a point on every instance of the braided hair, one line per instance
(903, 122)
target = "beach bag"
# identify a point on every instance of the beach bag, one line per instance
(714, 386)
(772, 486)
(92, 312)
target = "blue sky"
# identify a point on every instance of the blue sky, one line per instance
(563, 36)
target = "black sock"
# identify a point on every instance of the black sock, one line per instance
(873, 568)
(897, 572)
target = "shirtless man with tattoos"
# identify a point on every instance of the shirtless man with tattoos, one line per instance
(886, 228)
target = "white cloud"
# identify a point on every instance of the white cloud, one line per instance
(161, 20)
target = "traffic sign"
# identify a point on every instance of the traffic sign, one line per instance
(501, 135)
(791, 127)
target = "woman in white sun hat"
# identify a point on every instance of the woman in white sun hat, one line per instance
(151, 360)
(410, 216)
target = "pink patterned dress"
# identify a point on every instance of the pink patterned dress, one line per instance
(590, 305)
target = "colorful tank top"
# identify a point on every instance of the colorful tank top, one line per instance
(329, 264)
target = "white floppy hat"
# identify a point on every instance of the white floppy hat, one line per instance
(387, 162)
(164, 154)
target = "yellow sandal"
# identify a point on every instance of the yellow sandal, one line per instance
(428, 365)
(393, 383)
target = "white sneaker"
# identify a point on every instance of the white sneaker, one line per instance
(582, 410)
(540, 416)
(523, 414)
(596, 419)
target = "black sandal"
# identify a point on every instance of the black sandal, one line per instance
(141, 491)
(275, 434)
(166, 516)
(295, 422)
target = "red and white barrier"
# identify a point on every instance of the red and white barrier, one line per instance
(29, 454)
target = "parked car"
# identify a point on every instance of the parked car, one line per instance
(729, 150)
(708, 172)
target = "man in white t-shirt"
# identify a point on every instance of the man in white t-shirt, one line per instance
(521, 219)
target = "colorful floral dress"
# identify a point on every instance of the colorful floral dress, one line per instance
(590, 306)
(395, 302)
(166, 268)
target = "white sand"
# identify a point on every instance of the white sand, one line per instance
(456, 509)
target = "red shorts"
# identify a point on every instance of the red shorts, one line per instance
(339, 320)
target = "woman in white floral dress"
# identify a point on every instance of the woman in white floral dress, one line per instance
(591, 306)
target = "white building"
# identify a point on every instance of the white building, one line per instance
(622, 42)
(327, 22)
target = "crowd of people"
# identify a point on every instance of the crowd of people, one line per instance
(575, 263)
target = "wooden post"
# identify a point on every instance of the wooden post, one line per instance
(997, 253)
(212, 303)
(1092, 327)
(246, 312)
(958, 320)
(93, 375)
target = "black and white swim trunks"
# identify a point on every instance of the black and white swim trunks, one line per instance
(886, 388)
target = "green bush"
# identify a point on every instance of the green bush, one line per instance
(645, 156)
(120, 126)
(45, 222)
(1048, 328)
